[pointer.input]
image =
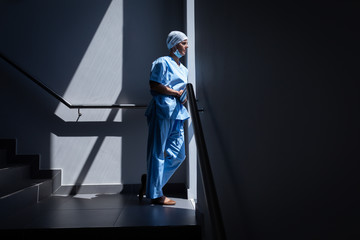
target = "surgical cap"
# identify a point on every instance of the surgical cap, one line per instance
(174, 38)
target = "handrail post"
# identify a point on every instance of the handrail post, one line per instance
(207, 176)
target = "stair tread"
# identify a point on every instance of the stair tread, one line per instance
(24, 165)
(26, 183)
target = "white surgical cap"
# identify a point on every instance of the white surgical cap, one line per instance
(174, 38)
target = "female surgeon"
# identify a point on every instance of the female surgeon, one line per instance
(165, 116)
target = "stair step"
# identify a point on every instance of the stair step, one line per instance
(26, 183)
(29, 194)
(32, 160)
(16, 177)
(22, 183)
(18, 200)
(13, 174)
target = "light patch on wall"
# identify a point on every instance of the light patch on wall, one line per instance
(98, 78)
(87, 160)
(106, 166)
(70, 154)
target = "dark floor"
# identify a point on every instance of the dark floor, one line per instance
(100, 211)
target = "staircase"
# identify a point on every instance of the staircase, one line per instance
(22, 183)
(31, 208)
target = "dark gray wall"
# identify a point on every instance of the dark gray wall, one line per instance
(51, 40)
(279, 84)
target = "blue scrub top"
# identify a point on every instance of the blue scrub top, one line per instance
(165, 70)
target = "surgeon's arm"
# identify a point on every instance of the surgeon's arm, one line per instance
(162, 89)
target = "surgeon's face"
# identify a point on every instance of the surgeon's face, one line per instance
(182, 47)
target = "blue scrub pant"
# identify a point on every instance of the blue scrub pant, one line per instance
(165, 153)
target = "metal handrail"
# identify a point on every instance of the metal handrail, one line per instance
(206, 173)
(61, 99)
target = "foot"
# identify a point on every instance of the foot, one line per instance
(143, 187)
(163, 201)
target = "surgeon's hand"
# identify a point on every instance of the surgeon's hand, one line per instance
(158, 87)
(180, 93)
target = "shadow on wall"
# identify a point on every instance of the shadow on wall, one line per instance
(83, 50)
(48, 40)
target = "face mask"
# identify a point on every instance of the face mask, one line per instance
(177, 53)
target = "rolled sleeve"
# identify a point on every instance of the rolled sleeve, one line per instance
(158, 70)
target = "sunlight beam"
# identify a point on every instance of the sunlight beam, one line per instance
(98, 78)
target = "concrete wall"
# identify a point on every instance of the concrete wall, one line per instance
(280, 88)
(89, 52)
